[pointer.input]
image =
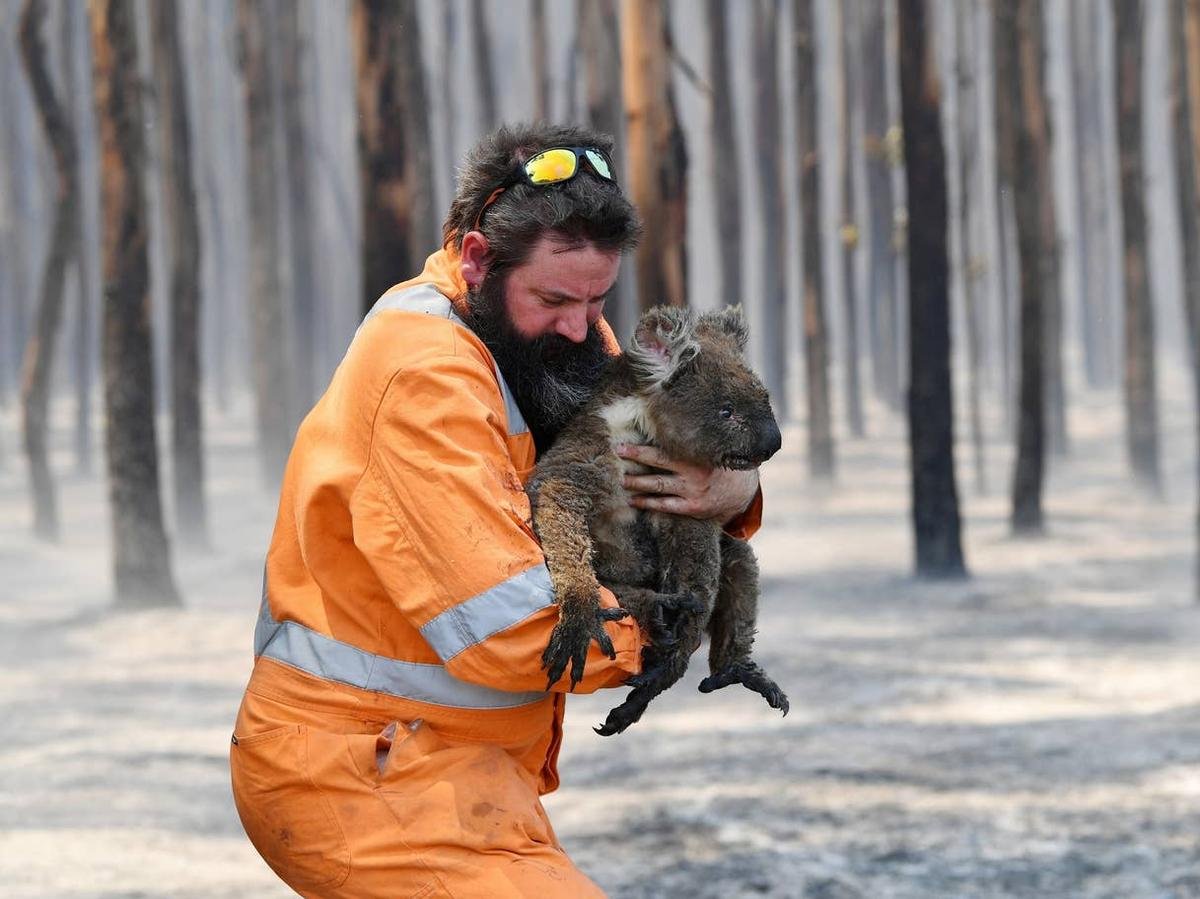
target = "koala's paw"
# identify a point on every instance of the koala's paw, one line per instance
(750, 676)
(571, 638)
(668, 616)
(626, 713)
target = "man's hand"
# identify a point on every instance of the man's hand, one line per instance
(710, 494)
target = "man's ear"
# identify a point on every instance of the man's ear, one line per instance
(475, 258)
(663, 342)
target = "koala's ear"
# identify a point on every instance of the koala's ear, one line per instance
(662, 343)
(730, 322)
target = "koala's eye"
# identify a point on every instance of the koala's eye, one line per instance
(726, 411)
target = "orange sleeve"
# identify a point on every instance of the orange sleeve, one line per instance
(442, 517)
(746, 525)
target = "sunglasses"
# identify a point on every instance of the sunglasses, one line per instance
(552, 166)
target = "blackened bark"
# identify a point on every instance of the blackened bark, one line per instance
(393, 141)
(723, 139)
(39, 352)
(816, 335)
(970, 140)
(930, 408)
(1019, 28)
(1141, 399)
(485, 79)
(271, 383)
(183, 236)
(878, 147)
(657, 153)
(768, 165)
(141, 554)
(1187, 150)
(849, 230)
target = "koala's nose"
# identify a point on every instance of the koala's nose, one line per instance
(769, 440)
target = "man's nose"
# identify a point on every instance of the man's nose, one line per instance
(573, 324)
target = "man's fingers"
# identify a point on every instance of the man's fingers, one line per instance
(676, 505)
(647, 455)
(654, 483)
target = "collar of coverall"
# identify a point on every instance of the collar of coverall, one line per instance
(443, 271)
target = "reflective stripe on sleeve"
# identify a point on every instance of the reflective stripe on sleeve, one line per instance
(301, 647)
(490, 612)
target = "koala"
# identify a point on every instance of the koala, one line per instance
(681, 385)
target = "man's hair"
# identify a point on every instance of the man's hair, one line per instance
(586, 209)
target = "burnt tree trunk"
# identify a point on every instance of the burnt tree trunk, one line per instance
(879, 144)
(1019, 41)
(1141, 410)
(393, 145)
(970, 150)
(141, 554)
(1187, 149)
(599, 40)
(657, 153)
(74, 44)
(930, 408)
(63, 249)
(816, 333)
(849, 230)
(272, 387)
(183, 236)
(1094, 222)
(768, 164)
(541, 75)
(723, 140)
(485, 78)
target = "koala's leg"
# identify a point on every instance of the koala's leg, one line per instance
(690, 560)
(731, 628)
(658, 614)
(560, 520)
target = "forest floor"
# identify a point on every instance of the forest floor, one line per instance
(1033, 731)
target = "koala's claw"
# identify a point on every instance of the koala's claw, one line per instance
(668, 615)
(570, 641)
(749, 675)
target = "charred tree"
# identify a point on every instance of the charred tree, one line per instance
(393, 144)
(879, 144)
(768, 164)
(39, 352)
(183, 236)
(816, 334)
(485, 78)
(295, 58)
(1094, 224)
(723, 141)
(272, 387)
(930, 407)
(1141, 410)
(1018, 37)
(74, 44)
(1187, 150)
(541, 74)
(849, 230)
(141, 554)
(969, 140)
(657, 153)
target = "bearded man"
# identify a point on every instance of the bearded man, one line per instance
(397, 729)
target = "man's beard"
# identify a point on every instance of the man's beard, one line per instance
(550, 376)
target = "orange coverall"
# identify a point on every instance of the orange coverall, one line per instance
(396, 731)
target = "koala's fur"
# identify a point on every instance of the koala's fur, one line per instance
(683, 386)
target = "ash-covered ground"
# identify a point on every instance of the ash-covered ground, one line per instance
(1033, 731)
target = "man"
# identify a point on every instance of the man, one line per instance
(397, 731)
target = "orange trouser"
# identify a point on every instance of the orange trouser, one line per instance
(341, 806)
